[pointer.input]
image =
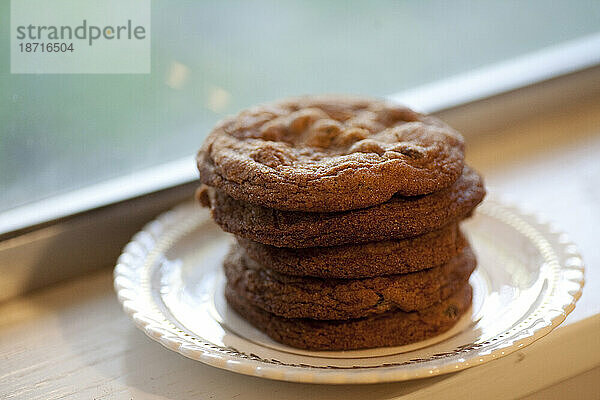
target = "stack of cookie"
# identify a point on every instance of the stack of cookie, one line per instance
(346, 213)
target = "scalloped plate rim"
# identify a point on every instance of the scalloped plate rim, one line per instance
(193, 348)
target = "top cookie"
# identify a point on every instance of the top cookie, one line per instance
(329, 153)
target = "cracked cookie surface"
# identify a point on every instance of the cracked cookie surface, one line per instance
(393, 328)
(333, 299)
(398, 218)
(329, 153)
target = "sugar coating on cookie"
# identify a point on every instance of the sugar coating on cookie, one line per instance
(329, 153)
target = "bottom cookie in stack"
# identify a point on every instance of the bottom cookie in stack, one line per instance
(345, 314)
(392, 328)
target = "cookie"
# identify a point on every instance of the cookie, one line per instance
(387, 257)
(329, 153)
(394, 328)
(328, 299)
(398, 218)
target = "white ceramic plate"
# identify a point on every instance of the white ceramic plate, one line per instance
(169, 280)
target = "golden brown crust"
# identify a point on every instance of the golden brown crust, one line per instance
(329, 153)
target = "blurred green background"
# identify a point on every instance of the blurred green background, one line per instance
(212, 58)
